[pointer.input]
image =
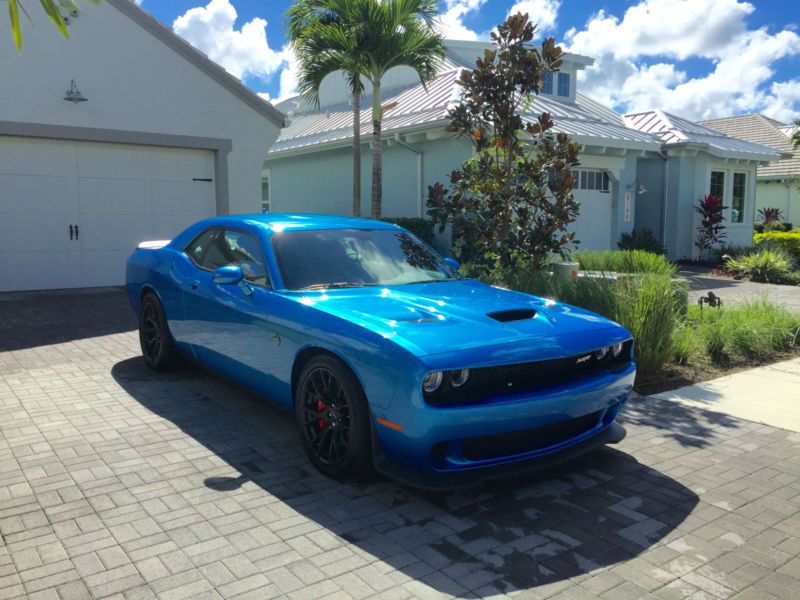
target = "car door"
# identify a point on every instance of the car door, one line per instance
(229, 327)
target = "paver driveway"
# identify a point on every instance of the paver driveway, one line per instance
(115, 481)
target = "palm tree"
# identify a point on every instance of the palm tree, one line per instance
(796, 136)
(396, 33)
(323, 43)
(381, 34)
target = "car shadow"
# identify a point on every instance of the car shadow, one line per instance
(32, 319)
(515, 534)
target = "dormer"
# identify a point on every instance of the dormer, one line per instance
(334, 90)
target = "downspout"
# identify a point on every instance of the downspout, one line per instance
(665, 157)
(418, 152)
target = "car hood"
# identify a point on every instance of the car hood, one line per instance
(457, 315)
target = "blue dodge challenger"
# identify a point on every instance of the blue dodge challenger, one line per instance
(387, 357)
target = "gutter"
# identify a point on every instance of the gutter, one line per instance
(419, 154)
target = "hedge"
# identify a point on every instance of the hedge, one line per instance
(788, 241)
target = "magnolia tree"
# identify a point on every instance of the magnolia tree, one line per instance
(511, 204)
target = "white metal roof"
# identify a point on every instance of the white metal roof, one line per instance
(676, 131)
(418, 107)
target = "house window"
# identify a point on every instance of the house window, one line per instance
(563, 84)
(547, 82)
(265, 190)
(717, 187)
(592, 180)
(737, 198)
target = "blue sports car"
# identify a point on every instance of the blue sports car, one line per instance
(386, 356)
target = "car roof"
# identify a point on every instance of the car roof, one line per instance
(277, 222)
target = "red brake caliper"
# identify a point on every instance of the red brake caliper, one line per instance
(321, 407)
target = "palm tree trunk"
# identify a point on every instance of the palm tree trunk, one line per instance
(377, 152)
(356, 154)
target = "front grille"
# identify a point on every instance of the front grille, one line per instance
(486, 381)
(528, 440)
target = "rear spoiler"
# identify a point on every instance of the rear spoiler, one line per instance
(153, 244)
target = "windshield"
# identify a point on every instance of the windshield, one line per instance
(328, 258)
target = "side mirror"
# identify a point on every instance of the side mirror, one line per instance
(453, 263)
(230, 275)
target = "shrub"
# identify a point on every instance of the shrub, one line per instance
(686, 343)
(422, 228)
(751, 332)
(731, 250)
(760, 228)
(623, 261)
(640, 239)
(787, 241)
(765, 265)
(647, 303)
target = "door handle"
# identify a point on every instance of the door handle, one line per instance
(70, 232)
(76, 231)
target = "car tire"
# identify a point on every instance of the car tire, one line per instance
(155, 339)
(337, 439)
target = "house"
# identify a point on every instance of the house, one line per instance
(777, 183)
(122, 133)
(696, 160)
(621, 171)
(418, 151)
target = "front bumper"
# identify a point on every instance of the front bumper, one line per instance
(436, 448)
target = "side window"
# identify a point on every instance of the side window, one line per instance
(217, 248)
(199, 246)
(244, 250)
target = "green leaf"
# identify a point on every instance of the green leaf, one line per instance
(13, 15)
(52, 9)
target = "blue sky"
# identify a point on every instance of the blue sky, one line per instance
(697, 58)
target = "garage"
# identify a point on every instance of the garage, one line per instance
(72, 211)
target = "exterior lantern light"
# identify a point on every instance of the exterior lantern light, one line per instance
(73, 94)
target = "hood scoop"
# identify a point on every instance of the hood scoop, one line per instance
(515, 314)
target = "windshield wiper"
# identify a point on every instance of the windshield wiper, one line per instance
(334, 285)
(429, 281)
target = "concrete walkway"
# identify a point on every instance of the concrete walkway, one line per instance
(732, 291)
(768, 395)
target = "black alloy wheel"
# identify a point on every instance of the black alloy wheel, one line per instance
(154, 336)
(333, 419)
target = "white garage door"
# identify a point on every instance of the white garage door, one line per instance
(593, 225)
(72, 212)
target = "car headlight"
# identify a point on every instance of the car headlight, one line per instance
(616, 349)
(432, 381)
(601, 353)
(459, 378)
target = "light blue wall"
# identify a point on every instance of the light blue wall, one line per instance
(626, 184)
(322, 181)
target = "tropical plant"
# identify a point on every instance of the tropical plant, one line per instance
(53, 9)
(317, 24)
(640, 239)
(509, 205)
(711, 230)
(796, 135)
(765, 265)
(771, 217)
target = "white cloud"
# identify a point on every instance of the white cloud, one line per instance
(451, 21)
(542, 12)
(740, 59)
(244, 52)
(783, 101)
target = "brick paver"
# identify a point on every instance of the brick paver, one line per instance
(117, 482)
